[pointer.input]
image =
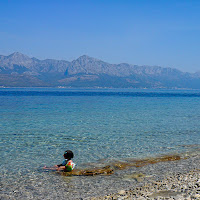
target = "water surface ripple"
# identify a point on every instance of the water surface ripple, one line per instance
(99, 125)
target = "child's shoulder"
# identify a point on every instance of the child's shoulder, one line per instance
(64, 162)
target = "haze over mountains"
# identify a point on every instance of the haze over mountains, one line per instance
(19, 70)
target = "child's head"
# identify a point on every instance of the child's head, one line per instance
(68, 154)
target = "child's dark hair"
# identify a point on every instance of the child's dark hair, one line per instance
(68, 154)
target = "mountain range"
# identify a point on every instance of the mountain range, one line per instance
(19, 70)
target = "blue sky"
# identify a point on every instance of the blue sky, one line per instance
(144, 32)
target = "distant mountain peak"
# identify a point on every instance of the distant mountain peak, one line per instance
(18, 56)
(86, 58)
(16, 53)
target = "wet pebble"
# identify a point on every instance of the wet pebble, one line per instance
(178, 187)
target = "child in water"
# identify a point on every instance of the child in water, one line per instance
(67, 165)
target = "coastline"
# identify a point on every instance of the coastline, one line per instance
(179, 179)
(165, 180)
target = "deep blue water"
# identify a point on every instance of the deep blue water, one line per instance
(38, 124)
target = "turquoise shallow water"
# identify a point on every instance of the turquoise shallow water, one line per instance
(38, 125)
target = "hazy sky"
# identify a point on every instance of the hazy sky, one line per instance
(142, 32)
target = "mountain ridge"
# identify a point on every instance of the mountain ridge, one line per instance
(87, 71)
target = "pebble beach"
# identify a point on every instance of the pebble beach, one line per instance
(177, 179)
(173, 180)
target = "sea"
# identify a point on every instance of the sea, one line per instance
(99, 125)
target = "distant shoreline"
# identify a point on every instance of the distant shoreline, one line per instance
(62, 87)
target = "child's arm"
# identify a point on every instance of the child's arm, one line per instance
(55, 167)
(60, 168)
(51, 168)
